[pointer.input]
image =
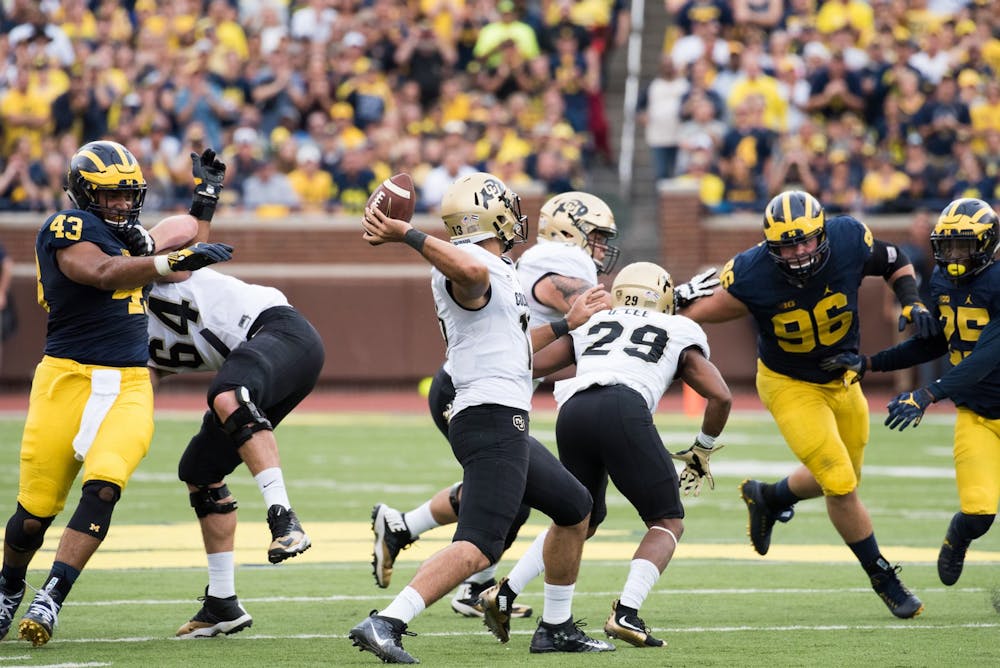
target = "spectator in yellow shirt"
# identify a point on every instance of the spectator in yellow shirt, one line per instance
(311, 183)
(883, 186)
(753, 81)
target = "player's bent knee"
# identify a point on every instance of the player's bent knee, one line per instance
(246, 420)
(93, 513)
(209, 501)
(576, 509)
(522, 516)
(26, 532)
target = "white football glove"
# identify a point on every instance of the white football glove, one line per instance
(700, 285)
(697, 470)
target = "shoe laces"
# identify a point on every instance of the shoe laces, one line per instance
(8, 604)
(44, 607)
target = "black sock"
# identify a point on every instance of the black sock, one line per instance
(505, 590)
(967, 528)
(623, 610)
(778, 496)
(60, 581)
(12, 578)
(867, 552)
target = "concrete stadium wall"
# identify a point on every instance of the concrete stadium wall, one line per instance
(373, 306)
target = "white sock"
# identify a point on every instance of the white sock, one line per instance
(528, 567)
(221, 575)
(420, 520)
(558, 603)
(407, 605)
(642, 576)
(271, 484)
(485, 575)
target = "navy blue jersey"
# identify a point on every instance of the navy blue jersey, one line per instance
(966, 310)
(87, 324)
(798, 327)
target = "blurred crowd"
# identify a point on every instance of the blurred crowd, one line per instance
(311, 102)
(875, 107)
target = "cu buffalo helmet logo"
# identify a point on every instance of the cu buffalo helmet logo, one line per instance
(492, 189)
(519, 422)
(575, 208)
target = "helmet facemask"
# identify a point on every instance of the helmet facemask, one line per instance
(965, 239)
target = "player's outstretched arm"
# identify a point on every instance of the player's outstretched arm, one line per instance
(87, 264)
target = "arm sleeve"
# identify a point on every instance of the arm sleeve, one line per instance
(885, 260)
(981, 362)
(909, 353)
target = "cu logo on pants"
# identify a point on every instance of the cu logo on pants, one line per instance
(519, 422)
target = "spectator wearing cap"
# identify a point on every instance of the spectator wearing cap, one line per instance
(943, 120)
(368, 92)
(507, 28)
(834, 90)
(311, 183)
(660, 114)
(425, 58)
(241, 162)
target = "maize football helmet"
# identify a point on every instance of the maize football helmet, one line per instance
(582, 219)
(106, 167)
(479, 206)
(965, 238)
(644, 285)
(795, 217)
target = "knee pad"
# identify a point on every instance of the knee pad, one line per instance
(206, 501)
(26, 532)
(93, 513)
(245, 420)
(515, 526)
(453, 496)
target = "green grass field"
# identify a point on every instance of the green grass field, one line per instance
(718, 604)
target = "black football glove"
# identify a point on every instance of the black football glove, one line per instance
(138, 241)
(848, 362)
(924, 324)
(908, 407)
(208, 173)
(701, 285)
(198, 256)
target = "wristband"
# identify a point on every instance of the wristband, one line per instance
(203, 208)
(162, 265)
(706, 440)
(415, 239)
(560, 327)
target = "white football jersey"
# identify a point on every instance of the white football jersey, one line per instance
(194, 324)
(550, 257)
(632, 347)
(489, 349)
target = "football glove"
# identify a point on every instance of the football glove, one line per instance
(848, 362)
(208, 172)
(197, 256)
(697, 470)
(924, 324)
(908, 407)
(138, 241)
(701, 285)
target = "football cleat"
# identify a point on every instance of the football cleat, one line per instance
(9, 604)
(496, 609)
(391, 536)
(951, 558)
(383, 637)
(565, 637)
(288, 539)
(217, 615)
(466, 600)
(41, 618)
(630, 628)
(900, 601)
(762, 518)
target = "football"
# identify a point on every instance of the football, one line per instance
(395, 197)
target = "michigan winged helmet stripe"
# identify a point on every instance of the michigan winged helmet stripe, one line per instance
(124, 171)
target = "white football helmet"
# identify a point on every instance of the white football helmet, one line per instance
(479, 206)
(582, 219)
(644, 285)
